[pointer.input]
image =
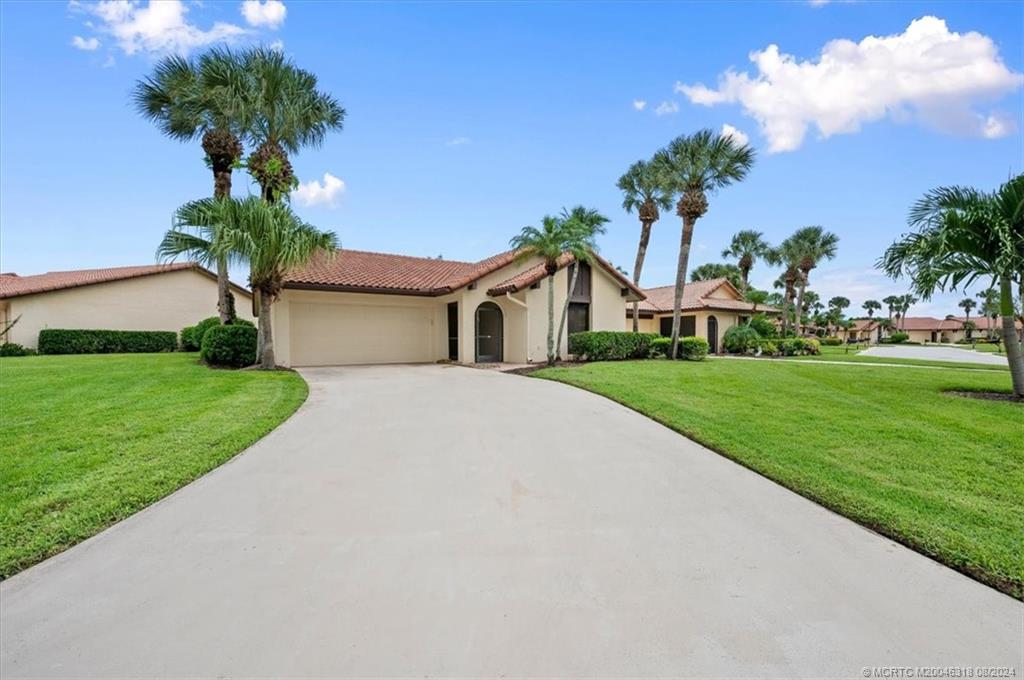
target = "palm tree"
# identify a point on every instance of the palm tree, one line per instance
(906, 302)
(284, 112)
(580, 226)
(715, 270)
(746, 246)
(201, 98)
(269, 237)
(814, 244)
(693, 166)
(787, 255)
(756, 297)
(201, 242)
(546, 243)
(892, 301)
(642, 191)
(962, 235)
(989, 308)
(871, 306)
(967, 304)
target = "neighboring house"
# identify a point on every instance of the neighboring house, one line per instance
(930, 329)
(863, 330)
(984, 325)
(146, 298)
(709, 309)
(362, 307)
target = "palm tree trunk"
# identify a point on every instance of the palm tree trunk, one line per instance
(677, 303)
(800, 303)
(565, 309)
(266, 354)
(1013, 349)
(551, 319)
(744, 279)
(641, 255)
(222, 189)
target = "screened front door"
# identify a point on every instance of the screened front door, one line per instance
(713, 335)
(489, 332)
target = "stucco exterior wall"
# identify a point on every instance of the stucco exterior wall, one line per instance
(159, 302)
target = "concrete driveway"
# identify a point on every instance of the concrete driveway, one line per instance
(930, 353)
(444, 521)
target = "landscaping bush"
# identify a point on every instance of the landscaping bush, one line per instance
(201, 328)
(611, 345)
(764, 327)
(13, 349)
(661, 346)
(192, 336)
(233, 345)
(768, 347)
(898, 337)
(692, 348)
(794, 347)
(831, 341)
(741, 340)
(65, 341)
(187, 339)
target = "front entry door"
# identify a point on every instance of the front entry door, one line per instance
(712, 335)
(489, 331)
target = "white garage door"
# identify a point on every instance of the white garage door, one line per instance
(330, 335)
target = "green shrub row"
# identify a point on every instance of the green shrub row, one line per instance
(611, 345)
(13, 349)
(73, 341)
(832, 341)
(744, 339)
(691, 348)
(896, 338)
(791, 347)
(233, 346)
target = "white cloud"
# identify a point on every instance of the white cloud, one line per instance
(738, 136)
(268, 14)
(159, 27)
(639, 104)
(458, 141)
(997, 125)
(314, 192)
(927, 72)
(87, 44)
(277, 46)
(666, 109)
(818, 3)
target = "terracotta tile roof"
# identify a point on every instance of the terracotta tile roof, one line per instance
(534, 274)
(358, 270)
(982, 323)
(696, 295)
(12, 285)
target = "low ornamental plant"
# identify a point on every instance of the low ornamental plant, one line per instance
(741, 340)
(13, 349)
(233, 346)
(831, 341)
(611, 345)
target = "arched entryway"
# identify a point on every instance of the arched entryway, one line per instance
(490, 325)
(713, 335)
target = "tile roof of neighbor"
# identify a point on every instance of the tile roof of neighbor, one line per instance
(929, 323)
(534, 274)
(12, 285)
(358, 270)
(696, 296)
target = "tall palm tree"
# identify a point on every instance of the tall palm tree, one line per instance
(716, 270)
(892, 301)
(580, 227)
(967, 304)
(694, 166)
(962, 235)
(815, 244)
(546, 243)
(906, 302)
(989, 308)
(285, 112)
(642, 191)
(787, 255)
(871, 306)
(201, 98)
(746, 246)
(270, 238)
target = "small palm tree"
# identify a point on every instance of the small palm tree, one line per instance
(546, 243)
(642, 191)
(189, 99)
(967, 304)
(580, 227)
(871, 306)
(284, 113)
(746, 246)
(756, 297)
(814, 245)
(269, 237)
(694, 166)
(715, 270)
(787, 255)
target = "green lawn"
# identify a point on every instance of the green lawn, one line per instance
(89, 440)
(832, 353)
(883, 446)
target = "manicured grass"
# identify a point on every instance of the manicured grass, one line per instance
(830, 353)
(89, 440)
(884, 446)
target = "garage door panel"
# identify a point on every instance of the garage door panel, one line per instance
(327, 335)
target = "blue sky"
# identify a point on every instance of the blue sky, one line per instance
(467, 121)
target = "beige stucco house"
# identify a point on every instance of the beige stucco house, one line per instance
(361, 307)
(709, 309)
(145, 298)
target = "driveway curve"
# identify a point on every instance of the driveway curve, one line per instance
(445, 521)
(934, 353)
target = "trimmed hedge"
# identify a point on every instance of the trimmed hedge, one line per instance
(691, 348)
(832, 341)
(897, 338)
(610, 345)
(187, 339)
(13, 349)
(233, 345)
(192, 336)
(73, 341)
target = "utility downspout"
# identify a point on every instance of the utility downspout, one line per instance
(527, 313)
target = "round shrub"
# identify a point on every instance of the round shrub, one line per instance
(832, 341)
(692, 348)
(764, 327)
(660, 347)
(741, 340)
(13, 349)
(203, 326)
(187, 339)
(233, 346)
(898, 337)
